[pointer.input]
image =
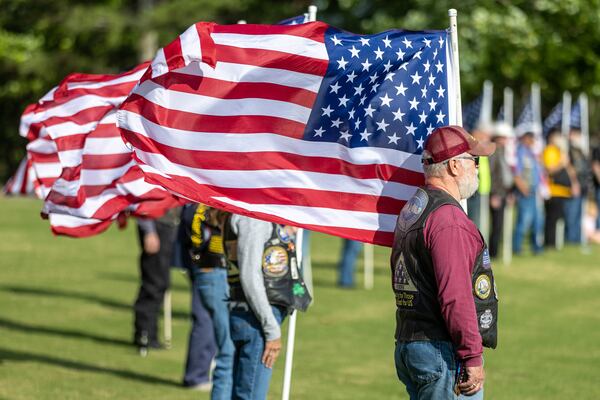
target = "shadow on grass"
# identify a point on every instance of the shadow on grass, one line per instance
(21, 356)
(123, 277)
(69, 294)
(69, 333)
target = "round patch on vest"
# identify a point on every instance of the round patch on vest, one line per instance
(413, 209)
(283, 234)
(275, 261)
(486, 319)
(483, 286)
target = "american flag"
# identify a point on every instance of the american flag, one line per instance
(306, 124)
(553, 119)
(472, 114)
(23, 182)
(299, 19)
(576, 115)
(98, 178)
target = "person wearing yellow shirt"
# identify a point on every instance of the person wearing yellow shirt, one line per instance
(562, 183)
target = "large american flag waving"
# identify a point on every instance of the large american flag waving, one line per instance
(87, 173)
(306, 124)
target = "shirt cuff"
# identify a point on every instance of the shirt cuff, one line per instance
(473, 362)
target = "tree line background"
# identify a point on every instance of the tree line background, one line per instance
(512, 43)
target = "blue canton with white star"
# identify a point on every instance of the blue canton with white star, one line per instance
(386, 90)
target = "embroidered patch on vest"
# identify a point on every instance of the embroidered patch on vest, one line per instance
(483, 286)
(275, 261)
(413, 209)
(485, 259)
(486, 319)
(283, 234)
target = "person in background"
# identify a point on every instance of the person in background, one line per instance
(474, 203)
(528, 181)
(446, 303)
(574, 205)
(596, 174)
(347, 264)
(501, 183)
(156, 239)
(265, 285)
(201, 248)
(562, 184)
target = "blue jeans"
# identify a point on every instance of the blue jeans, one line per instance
(598, 207)
(347, 264)
(428, 369)
(528, 218)
(250, 376)
(573, 219)
(214, 293)
(201, 347)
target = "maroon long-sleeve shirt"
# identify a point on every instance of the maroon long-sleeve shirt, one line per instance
(454, 243)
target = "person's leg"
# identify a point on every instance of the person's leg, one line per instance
(578, 219)
(251, 376)
(496, 228)
(524, 218)
(155, 280)
(598, 208)
(214, 293)
(201, 347)
(403, 372)
(429, 368)
(149, 298)
(347, 264)
(537, 226)
(551, 220)
(571, 206)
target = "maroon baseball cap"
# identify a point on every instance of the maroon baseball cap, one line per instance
(446, 142)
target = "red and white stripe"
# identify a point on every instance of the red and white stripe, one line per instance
(89, 171)
(230, 136)
(23, 182)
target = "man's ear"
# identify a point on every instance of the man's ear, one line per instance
(453, 167)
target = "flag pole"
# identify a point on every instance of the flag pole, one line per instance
(368, 258)
(289, 351)
(455, 78)
(507, 218)
(585, 146)
(566, 114)
(485, 119)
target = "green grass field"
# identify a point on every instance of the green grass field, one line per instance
(65, 324)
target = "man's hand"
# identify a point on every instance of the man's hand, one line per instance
(272, 349)
(151, 243)
(474, 383)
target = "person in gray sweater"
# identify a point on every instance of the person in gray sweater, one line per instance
(265, 285)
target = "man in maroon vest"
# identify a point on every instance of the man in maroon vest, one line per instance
(442, 279)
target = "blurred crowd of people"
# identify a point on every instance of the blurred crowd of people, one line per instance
(553, 187)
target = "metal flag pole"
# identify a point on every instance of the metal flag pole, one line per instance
(566, 114)
(585, 147)
(291, 337)
(455, 78)
(564, 129)
(368, 258)
(485, 121)
(168, 319)
(507, 218)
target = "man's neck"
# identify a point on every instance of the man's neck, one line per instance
(446, 184)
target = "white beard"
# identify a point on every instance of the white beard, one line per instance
(467, 186)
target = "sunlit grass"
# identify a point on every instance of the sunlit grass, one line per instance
(66, 324)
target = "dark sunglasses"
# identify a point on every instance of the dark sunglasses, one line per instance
(475, 159)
